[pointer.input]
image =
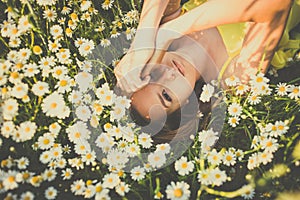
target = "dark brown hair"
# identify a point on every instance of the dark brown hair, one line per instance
(180, 124)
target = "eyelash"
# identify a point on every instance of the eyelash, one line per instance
(166, 95)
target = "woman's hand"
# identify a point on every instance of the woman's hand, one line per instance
(128, 70)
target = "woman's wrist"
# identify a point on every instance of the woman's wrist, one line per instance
(171, 16)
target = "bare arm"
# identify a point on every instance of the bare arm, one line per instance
(151, 15)
(218, 12)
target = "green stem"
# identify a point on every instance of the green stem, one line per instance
(226, 194)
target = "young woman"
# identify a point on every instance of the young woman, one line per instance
(190, 48)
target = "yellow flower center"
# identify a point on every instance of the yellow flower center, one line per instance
(178, 193)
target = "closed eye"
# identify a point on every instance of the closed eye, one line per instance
(166, 96)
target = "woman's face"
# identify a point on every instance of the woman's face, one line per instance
(172, 82)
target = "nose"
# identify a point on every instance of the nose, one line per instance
(163, 73)
(169, 73)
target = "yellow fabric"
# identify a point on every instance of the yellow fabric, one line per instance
(233, 35)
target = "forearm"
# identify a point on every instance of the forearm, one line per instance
(218, 12)
(151, 15)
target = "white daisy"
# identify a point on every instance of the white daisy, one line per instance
(178, 191)
(117, 113)
(84, 80)
(65, 10)
(56, 31)
(23, 24)
(107, 4)
(86, 48)
(294, 92)
(89, 191)
(258, 80)
(254, 99)
(85, 5)
(40, 88)
(61, 163)
(105, 142)
(13, 31)
(83, 113)
(9, 180)
(163, 148)
(19, 90)
(114, 33)
(53, 105)
(204, 177)
(265, 157)
(63, 56)
(122, 188)
(229, 158)
(214, 157)
(235, 109)
(270, 144)
(82, 147)
(26, 130)
(111, 180)
(59, 72)
(184, 167)
(282, 128)
(156, 159)
(105, 42)
(208, 138)
(64, 84)
(67, 174)
(282, 89)
(241, 89)
(76, 163)
(45, 157)
(233, 121)
(248, 192)
(8, 129)
(97, 108)
(14, 42)
(78, 131)
(89, 157)
(78, 187)
(24, 54)
(145, 140)
(218, 176)
(101, 192)
(253, 161)
(10, 109)
(22, 163)
(31, 69)
(117, 159)
(49, 174)
(207, 92)
(128, 134)
(45, 141)
(137, 173)
(132, 150)
(27, 196)
(46, 2)
(5, 65)
(232, 81)
(56, 152)
(50, 15)
(3, 79)
(75, 97)
(50, 193)
(54, 46)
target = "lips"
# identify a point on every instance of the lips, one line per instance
(178, 66)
